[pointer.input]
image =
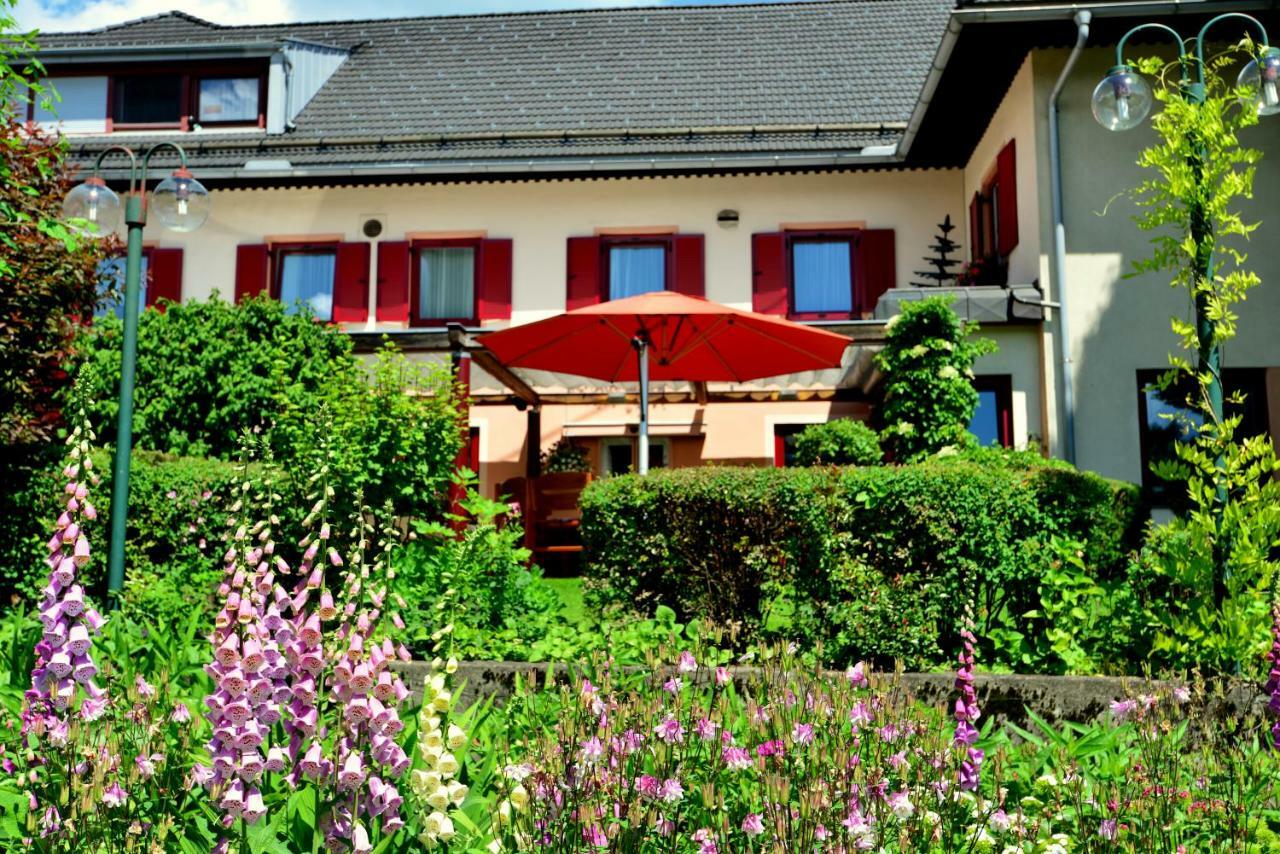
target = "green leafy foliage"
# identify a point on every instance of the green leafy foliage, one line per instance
(173, 545)
(207, 371)
(842, 442)
(390, 430)
(1205, 581)
(894, 552)
(929, 397)
(50, 278)
(482, 568)
(565, 455)
(1187, 619)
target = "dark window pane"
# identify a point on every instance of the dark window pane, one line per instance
(1167, 419)
(821, 275)
(986, 418)
(635, 270)
(619, 457)
(657, 455)
(148, 99)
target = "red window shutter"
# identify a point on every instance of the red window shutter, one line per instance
(876, 267)
(251, 270)
(495, 280)
(779, 449)
(393, 281)
(769, 273)
(351, 283)
(1007, 199)
(165, 269)
(690, 266)
(583, 286)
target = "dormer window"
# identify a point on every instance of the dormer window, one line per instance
(182, 98)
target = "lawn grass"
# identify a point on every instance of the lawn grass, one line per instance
(570, 592)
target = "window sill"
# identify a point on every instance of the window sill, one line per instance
(806, 316)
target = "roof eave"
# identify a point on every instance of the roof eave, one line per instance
(168, 52)
(729, 161)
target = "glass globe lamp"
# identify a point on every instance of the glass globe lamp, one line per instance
(1122, 100)
(1262, 78)
(180, 202)
(93, 209)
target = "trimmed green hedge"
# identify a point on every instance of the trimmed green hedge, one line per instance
(881, 561)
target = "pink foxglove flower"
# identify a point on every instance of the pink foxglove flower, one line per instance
(966, 713)
(64, 667)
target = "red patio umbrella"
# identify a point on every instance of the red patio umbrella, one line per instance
(666, 336)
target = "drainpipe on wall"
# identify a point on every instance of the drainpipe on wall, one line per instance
(1082, 19)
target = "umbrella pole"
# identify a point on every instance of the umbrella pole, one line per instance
(642, 349)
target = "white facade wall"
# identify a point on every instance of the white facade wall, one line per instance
(1120, 325)
(541, 216)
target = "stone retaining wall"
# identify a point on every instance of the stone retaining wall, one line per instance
(1005, 697)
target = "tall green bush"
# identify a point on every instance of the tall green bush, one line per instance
(928, 361)
(209, 370)
(881, 560)
(842, 442)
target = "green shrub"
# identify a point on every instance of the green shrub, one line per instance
(486, 568)
(708, 542)
(565, 455)
(210, 371)
(207, 371)
(389, 430)
(929, 397)
(173, 551)
(881, 560)
(842, 442)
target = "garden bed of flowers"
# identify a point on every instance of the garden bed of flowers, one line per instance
(286, 726)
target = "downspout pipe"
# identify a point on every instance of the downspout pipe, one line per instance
(1082, 19)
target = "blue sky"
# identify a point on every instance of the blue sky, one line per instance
(87, 14)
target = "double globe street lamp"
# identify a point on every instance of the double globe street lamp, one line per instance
(180, 203)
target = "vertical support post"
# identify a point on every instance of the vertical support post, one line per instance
(533, 442)
(460, 362)
(135, 218)
(642, 452)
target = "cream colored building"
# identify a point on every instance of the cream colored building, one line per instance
(376, 154)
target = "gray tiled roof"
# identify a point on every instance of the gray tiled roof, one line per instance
(853, 68)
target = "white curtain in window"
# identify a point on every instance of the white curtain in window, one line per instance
(307, 277)
(820, 271)
(446, 283)
(229, 99)
(635, 270)
(111, 278)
